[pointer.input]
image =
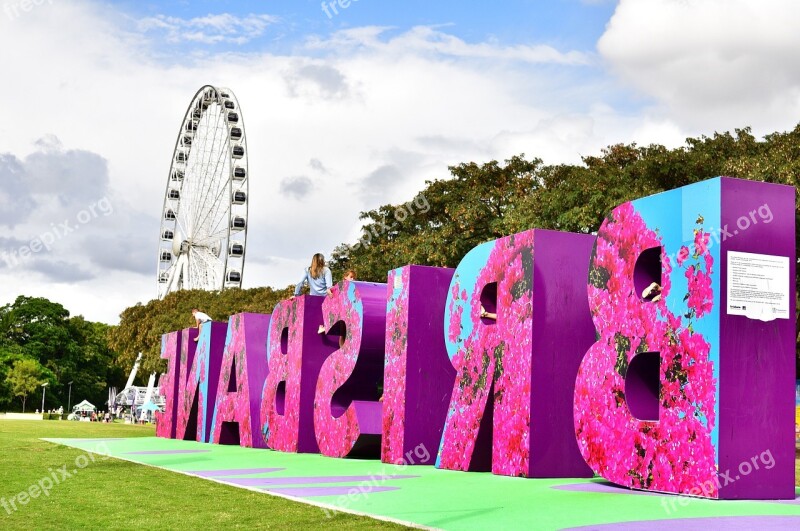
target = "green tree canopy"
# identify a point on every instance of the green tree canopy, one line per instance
(66, 348)
(24, 378)
(141, 326)
(442, 223)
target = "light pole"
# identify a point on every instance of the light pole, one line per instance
(44, 390)
(69, 397)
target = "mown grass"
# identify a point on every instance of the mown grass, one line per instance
(114, 494)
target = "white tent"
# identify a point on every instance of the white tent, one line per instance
(83, 406)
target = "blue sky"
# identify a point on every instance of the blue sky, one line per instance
(561, 23)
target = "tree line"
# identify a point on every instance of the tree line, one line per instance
(40, 343)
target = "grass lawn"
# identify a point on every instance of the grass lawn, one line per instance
(109, 493)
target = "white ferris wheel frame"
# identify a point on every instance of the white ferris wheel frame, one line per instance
(204, 218)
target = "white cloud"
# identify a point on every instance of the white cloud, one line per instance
(316, 80)
(427, 40)
(210, 29)
(366, 116)
(711, 64)
(298, 187)
(68, 226)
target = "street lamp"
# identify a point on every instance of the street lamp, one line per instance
(69, 397)
(44, 390)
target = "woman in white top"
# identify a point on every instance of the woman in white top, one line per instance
(199, 318)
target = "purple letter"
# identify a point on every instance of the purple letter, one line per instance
(672, 347)
(200, 363)
(168, 385)
(237, 413)
(418, 375)
(516, 330)
(295, 352)
(347, 412)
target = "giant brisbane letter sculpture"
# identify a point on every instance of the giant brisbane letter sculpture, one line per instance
(199, 373)
(508, 411)
(295, 354)
(237, 412)
(659, 354)
(418, 376)
(681, 390)
(347, 411)
(170, 351)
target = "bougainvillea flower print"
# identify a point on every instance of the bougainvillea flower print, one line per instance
(281, 429)
(394, 377)
(491, 357)
(675, 453)
(169, 385)
(241, 381)
(338, 431)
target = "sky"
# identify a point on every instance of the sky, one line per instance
(345, 110)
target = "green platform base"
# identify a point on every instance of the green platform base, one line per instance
(423, 496)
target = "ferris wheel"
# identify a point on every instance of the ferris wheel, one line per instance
(203, 234)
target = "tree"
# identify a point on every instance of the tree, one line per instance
(141, 326)
(41, 328)
(442, 223)
(9, 353)
(66, 348)
(24, 377)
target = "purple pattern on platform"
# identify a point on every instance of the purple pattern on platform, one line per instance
(232, 472)
(744, 523)
(603, 488)
(307, 492)
(301, 480)
(244, 362)
(167, 452)
(795, 501)
(354, 371)
(90, 439)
